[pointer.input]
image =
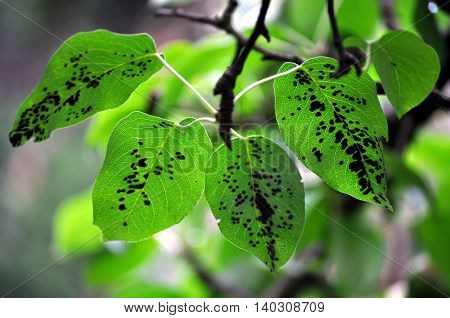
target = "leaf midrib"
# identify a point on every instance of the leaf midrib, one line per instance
(149, 170)
(343, 121)
(253, 194)
(395, 71)
(84, 85)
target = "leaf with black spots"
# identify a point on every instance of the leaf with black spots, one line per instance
(333, 125)
(152, 177)
(90, 72)
(408, 69)
(255, 190)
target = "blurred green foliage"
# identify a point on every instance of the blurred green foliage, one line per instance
(351, 260)
(354, 246)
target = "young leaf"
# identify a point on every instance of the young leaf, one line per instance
(408, 69)
(108, 268)
(255, 191)
(364, 23)
(332, 125)
(152, 177)
(90, 72)
(73, 232)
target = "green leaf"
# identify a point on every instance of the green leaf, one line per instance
(73, 231)
(255, 191)
(199, 61)
(332, 126)
(103, 123)
(353, 41)
(114, 267)
(90, 72)
(358, 17)
(408, 69)
(307, 17)
(152, 177)
(426, 25)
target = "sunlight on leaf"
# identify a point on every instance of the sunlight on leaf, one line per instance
(408, 69)
(256, 192)
(152, 177)
(90, 72)
(333, 125)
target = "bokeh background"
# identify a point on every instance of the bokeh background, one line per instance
(48, 247)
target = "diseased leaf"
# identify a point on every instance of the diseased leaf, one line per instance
(255, 191)
(102, 124)
(152, 177)
(408, 69)
(332, 126)
(90, 72)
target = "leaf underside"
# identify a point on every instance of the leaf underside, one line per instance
(408, 69)
(152, 177)
(90, 72)
(255, 191)
(333, 125)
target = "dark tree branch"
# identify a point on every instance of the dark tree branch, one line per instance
(218, 287)
(152, 104)
(224, 23)
(226, 84)
(346, 59)
(389, 17)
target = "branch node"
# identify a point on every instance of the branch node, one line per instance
(346, 59)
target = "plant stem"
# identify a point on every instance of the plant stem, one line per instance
(207, 105)
(264, 80)
(335, 29)
(224, 23)
(346, 60)
(207, 119)
(227, 83)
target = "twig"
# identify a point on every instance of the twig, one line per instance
(218, 287)
(152, 103)
(208, 106)
(346, 59)
(387, 10)
(224, 23)
(264, 80)
(198, 120)
(226, 84)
